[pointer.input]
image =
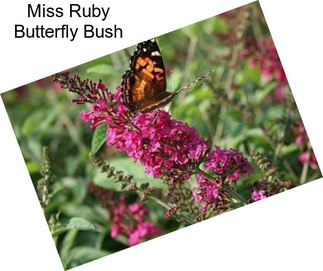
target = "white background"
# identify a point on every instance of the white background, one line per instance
(283, 232)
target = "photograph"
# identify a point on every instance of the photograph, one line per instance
(164, 134)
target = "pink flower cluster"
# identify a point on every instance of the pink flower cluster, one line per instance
(308, 157)
(301, 139)
(143, 231)
(164, 146)
(258, 195)
(228, 163)
(300, 133)
(262, 189)
(207, 194)
(271, 68)
(261, 53)
(104, 107)
(129, 220)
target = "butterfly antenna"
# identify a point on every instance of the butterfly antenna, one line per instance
(191, 84)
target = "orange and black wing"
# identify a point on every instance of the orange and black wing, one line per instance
(144, 84)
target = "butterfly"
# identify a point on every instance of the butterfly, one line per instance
(144, 83)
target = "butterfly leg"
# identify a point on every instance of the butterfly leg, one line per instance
(154, 119)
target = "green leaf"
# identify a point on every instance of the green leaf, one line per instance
(248, 74)
(77, 188)
(287, 150)
(192, 30)
(254, 135)
(35, 148)
(84, 254)
(77, 223)
(33, 167)
(39, 121)
(219, 25)
(29, 124)
(209, 213)
(95, 213)
(175, 79)
(80, 224)
(67, 244)
(104, 69)
(99, 137)
(261, 95)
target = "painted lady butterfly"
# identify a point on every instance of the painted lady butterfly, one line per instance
(144, 84)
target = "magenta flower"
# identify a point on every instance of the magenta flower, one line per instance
(104, 107)
(207, 193)
(258, 195)
(301, 139)
(300, 133)
(114, 230)
(144, 230)
(261, 189)
(129, 220)
(228, 163)
(164, 146)
(266, 57)
(308, 157)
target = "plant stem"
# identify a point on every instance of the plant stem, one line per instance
(167, 206)
(160, 202)
(190, 55)
(304, 173)
(122, 239)
(305, 166)
(220, 125)
(235, 195)
(290, 169)
(231, 73)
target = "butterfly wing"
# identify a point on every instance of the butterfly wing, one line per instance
(144, 84)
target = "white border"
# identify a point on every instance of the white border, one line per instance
(283, 232)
